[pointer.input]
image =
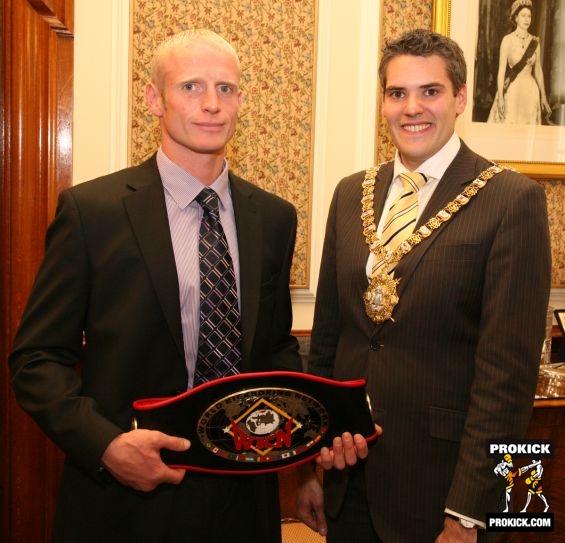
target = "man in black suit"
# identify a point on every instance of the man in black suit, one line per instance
(114, 316)
(448, 336)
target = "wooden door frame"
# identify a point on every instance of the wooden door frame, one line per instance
(36, 96)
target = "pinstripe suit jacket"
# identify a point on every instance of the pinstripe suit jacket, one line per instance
(458, 365)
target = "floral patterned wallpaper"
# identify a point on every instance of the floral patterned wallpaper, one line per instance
(273, 144)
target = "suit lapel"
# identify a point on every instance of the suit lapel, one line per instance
(382, 185)
(145, 206)
(248, 220)
(460, 172)
(380, 192)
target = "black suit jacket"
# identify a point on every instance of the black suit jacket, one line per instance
(458, 365)
(109, 274)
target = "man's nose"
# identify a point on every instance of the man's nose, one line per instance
(210, 100)
(413, 105)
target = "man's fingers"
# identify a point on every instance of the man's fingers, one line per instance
(361, 446)
(173, 443)
(134, 459)
(326, 458)
(346, 451)
(338, 453)
(174, 476)
(310, 501)
(349, 450)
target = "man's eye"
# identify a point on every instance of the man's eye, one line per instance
(396, 94)
(226, 89)
(193, 87)
(431, 92)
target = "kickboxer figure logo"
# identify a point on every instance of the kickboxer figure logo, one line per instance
(534, 484)
(503, 470)
(533, 481)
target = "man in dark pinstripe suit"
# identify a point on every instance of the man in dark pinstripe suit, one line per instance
(456, 361)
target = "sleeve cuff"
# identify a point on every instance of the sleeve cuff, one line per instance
(479, 523)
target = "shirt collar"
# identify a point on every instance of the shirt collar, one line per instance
(183, 187)
(435, 166)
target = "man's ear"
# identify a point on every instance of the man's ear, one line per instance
(461, 99)
(154, 99)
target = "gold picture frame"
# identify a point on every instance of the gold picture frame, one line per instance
(560, 318)
(536, 151)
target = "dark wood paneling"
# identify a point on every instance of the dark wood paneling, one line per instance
(37, 66)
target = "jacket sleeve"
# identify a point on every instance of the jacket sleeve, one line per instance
(45, 362)
(512, 321)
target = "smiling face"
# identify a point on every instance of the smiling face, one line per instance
(197, 100)
(420, 106)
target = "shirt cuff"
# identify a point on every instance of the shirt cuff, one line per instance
(479, 523)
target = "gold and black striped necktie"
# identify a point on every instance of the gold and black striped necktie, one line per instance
(401, 217)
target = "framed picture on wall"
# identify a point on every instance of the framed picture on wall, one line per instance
(560, 318)
(521, 125)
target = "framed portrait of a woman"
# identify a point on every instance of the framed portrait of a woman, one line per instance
(515, 52)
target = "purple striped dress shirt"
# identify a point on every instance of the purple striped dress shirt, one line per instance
(184, 221)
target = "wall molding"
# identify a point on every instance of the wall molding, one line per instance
(346, 80)
(119, 83)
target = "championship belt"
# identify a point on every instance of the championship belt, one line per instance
(257, 422)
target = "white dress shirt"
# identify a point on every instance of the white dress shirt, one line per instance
(433, 169)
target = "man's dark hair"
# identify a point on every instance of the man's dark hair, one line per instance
(425, 43)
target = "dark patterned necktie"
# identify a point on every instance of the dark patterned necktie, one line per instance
(219, 340)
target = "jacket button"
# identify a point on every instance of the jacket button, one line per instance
(374, 344)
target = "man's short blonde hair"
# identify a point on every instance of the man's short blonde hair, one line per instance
(184, 40)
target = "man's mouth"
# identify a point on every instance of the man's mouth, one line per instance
(416, 127)
(210, 126)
